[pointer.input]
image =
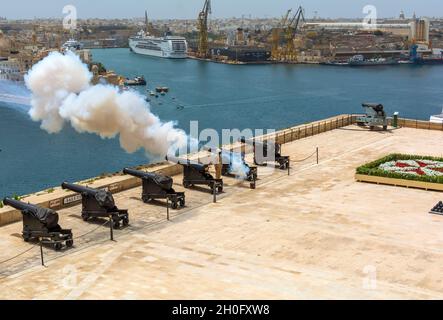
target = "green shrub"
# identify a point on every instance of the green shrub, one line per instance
(1, 204)
(372, 168)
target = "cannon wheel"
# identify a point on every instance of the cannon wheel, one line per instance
(220, 189)
(283, 165)
(116, 224)
(26, 237)
(186, 184)
(69, 243)
(174, 205)
(182, 203)
(58, 246)
(224, 171)
(125, 222)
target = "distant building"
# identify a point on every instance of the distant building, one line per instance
(420, 31)
(10, 70)
(402, 15)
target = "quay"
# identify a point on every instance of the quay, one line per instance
(316, 233)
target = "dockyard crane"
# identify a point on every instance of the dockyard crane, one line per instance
(146, 22)
(203, 50)
(290, 54)
(276, 36)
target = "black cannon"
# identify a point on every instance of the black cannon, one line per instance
(157, 186)
(195, 173)
(234, 165)
(41, 223)
(269, 152)
(438, 209)
(98, 203)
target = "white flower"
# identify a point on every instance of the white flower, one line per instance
(410, 167)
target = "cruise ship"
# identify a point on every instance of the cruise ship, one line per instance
(169, 46)
(72, 45)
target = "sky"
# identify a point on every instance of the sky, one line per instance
(188, 9)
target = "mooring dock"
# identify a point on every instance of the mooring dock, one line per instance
(315, 234)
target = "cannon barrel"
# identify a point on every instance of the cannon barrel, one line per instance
(79, 189)
(19, 205)
(47, 217)
(142, 174)
(162, 181)
(189, 163)
(185, 162)
(104, 198)
(138, 173)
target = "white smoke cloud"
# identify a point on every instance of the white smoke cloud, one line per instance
(237, 165)
(62, 93)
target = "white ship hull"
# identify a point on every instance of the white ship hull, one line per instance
(437, 119)
(168, 47)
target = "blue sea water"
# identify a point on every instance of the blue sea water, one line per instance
(218, 96)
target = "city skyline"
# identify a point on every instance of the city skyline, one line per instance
(180, 9)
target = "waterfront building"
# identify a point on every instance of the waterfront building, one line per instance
(10, 70)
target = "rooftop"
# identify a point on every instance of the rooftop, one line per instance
(315, 234)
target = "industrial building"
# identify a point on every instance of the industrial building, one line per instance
(241, 54)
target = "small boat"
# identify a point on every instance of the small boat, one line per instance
(137, 81)
(335, 63)
(162, 89)
(437, 118)
(152, 94)
(360, 61)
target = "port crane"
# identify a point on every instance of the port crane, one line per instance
(291, 30)
(276, 36)
(203, 49)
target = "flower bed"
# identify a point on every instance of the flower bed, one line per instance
(406, 167)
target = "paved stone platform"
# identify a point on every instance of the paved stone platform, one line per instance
(315, 234)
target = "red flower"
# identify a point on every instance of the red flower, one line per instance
(402, 165)
(422, 164)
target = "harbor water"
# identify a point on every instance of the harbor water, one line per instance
(218, 96)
